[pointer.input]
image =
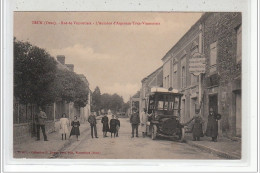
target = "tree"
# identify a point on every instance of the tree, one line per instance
(34, 74)
(96, 99)
(126, 106)
(69, 87)
(113, 102)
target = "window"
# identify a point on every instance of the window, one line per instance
(174, 76)
(183, 77)
(168, 81)
(183, 72)
(239, 44)
(213, 57)
(160, 105)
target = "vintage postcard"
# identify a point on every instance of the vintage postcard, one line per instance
(127, 85)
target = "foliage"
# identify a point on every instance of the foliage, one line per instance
(70, 87)
(126, 106)
(113, 102)
(96, 100)
(34, 73)
(37, 79)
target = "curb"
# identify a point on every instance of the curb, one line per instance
(66, 144)
(214, 151)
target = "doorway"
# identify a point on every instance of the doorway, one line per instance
(238, 113)
(213, 102)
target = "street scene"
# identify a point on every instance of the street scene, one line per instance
(127, 85)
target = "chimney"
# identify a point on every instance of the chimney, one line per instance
(61, 59)
(70, 66)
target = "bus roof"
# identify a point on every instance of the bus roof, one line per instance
(163, 90)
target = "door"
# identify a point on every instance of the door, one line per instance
(238, 114)
(213, 102)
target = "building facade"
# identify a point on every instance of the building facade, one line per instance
(176, 70)
(217, 36)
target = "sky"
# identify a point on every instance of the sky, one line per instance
(114, 57)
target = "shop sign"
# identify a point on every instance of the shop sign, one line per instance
(197, 64)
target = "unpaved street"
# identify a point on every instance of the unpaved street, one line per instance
(125, 147)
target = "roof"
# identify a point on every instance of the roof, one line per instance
(163, 90)
(137, 95)
(152, 73)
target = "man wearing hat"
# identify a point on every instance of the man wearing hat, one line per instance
(92, 121)
(212, 126)
(135, 121)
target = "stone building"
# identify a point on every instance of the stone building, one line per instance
(217, 36)
(155, 79)
(222, 80)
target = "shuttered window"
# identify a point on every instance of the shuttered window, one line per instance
(213, 57)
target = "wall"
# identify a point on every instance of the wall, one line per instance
(23, 132)
(226, 81)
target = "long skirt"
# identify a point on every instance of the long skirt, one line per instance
(74, 131)
(105, 127)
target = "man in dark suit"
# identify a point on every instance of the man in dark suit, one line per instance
(92, 121)
(135, 121)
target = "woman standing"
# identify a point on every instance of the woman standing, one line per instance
(64, 123)
(197, 126)
(75, 128)
(104, 121)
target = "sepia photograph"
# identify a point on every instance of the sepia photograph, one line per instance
(127, 85)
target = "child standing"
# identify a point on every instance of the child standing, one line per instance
(75, 128)
(64, 123)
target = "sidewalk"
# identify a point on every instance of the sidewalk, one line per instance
(225, 147)
(46, 149)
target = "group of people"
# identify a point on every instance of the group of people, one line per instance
(113, 125)
(197, 124)
(212, 125)
(113, 128)
(64, 125)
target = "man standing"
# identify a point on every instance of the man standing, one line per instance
(212, 126)
(40, 123)
(92, 121)
(135, 121)
(144, 120)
